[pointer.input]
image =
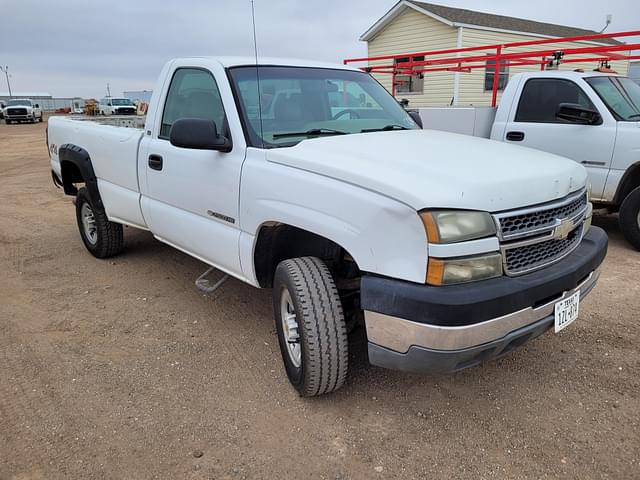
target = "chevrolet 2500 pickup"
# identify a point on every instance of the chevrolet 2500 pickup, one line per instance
(310, 179)
(590, 117)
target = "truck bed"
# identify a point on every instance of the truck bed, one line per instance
(114, 155)
(474, 121)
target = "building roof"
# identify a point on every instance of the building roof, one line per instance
(26, 94)
(457, 17)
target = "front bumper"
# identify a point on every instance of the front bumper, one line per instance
(125, 111)
(20, 117)
(443, 329)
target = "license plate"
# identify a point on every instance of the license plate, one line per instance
(567, 311)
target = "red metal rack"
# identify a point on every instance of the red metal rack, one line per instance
(468, 59)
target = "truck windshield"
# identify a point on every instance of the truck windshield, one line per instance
(14, 103)
(121, 102)
(295, 103)
(620, 94)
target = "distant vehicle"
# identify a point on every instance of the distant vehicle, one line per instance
(77, 106)
(116, 106)
(2, 105)
(22, 110)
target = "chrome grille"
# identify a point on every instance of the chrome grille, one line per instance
(526, 258)
(517, 225)
(535, 237)
(16, 111)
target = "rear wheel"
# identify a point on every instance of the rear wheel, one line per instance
(7, 121)
(311, 328)
(41, 118)
(101, 237)
(630, 218)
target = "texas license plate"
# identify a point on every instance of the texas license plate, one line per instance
(567, 311)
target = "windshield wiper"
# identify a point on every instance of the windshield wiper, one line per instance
(386, 128)
(310, 133)
(635, 115)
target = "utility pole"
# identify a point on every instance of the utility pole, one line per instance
(5, 70)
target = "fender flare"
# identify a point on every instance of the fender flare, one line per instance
(79, 157)
(629, 181)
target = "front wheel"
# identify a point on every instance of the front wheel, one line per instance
(101, 237)
(630, 218)
(310, 323)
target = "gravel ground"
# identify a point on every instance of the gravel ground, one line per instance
(122, 369)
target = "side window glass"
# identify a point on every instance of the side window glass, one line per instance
(541, 97)
(193, 93)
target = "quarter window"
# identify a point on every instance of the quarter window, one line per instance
(541, 98)
(193, 93)
(490, 72)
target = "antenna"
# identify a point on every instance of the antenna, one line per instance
(609, 18)
(255, 51)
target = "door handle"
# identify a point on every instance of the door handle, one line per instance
(515, 136)
(155, 162)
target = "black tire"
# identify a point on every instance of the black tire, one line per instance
(630, 218)
(7, 121)
(324, 355)
(41, 118)
(108, 239)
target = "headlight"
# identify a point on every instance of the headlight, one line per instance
(451, 226)
(462, 270)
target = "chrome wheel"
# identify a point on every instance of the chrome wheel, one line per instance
(290, 328)
(89, 224)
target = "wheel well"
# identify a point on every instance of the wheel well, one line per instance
(70, 174)
(630, 181)
(277, 242)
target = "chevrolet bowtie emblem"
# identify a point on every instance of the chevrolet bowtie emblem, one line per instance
(564, 228)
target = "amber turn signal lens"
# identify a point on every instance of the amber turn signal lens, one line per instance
(431, 227)
(435, 271)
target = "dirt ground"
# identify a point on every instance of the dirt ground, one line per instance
(121, 369)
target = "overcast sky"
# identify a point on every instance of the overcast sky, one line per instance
(74, 47)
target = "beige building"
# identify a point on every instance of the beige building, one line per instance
(412, 26)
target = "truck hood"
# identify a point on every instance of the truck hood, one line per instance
(432, 169)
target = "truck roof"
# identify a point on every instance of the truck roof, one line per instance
(288, 62)
(568, 74)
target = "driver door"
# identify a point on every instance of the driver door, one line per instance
(192, 195)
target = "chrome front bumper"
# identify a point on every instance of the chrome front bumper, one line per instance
(399, 335)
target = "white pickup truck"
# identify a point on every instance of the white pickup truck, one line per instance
(590, 117)
(22, 110)
(310, 179)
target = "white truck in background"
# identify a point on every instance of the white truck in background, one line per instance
(310, 179)
(22, 110)
(590, 117)
(116, 106)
